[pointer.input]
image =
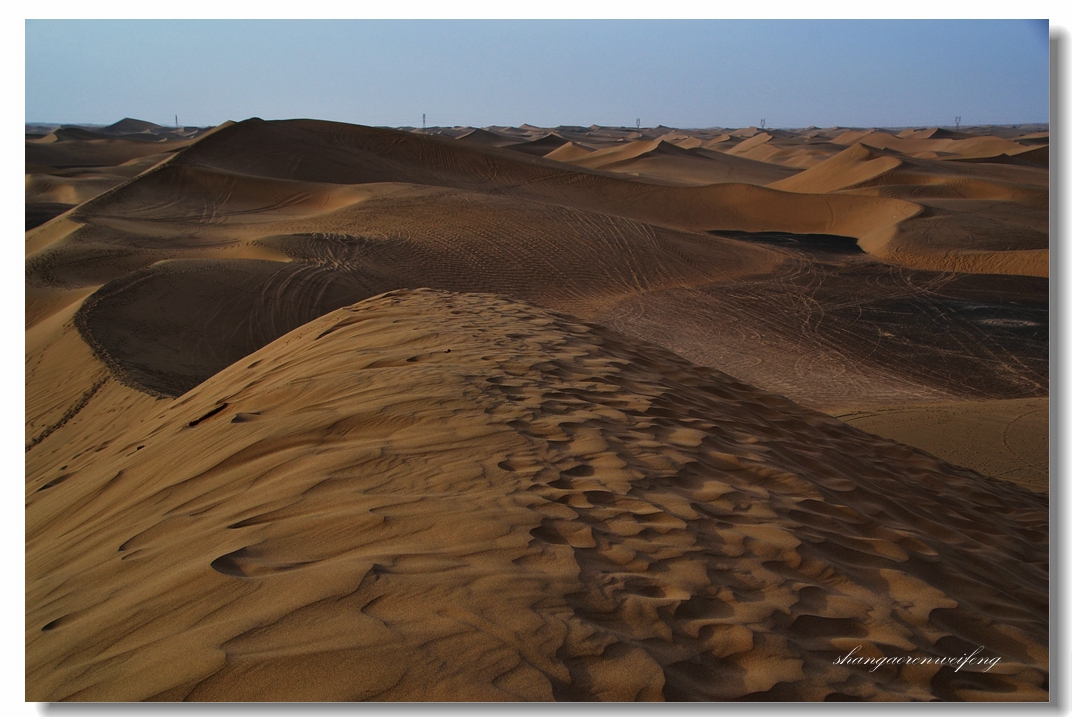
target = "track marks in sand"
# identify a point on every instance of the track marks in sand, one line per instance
(833, 329)
(70, 413)
(497, 221)
(167, 327)
(539, 509)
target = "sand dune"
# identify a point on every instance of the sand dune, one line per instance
(441, 496)
(1031, 156)
(991, 218)
(51, 191)
(70, 165)
(46, 189)
(540, 147)
(855, 165)
(756, 140)
(604, 268)
(932, 133)
(745, 132)
(683, 140)
(791, 150)
(934, 145)
(568, 152)
(94, 153)
(326, 412)
(662, 159)
(485, 138)
(1007, 439)
(364, 155)
(129, 125)
(491, 245)
(617, 153)
(284, 219)
(715, 141)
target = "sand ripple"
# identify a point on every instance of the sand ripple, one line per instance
(441, 496)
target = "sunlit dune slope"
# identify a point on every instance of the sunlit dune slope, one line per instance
(977, 217)
(435, 496)
(567, 152)
(855, 165)
(73, 401)
(937, 145)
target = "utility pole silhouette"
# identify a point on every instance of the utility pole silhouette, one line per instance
(424, 121)
(762, 124)
(176, 121)
(638, 123)
(958, 121)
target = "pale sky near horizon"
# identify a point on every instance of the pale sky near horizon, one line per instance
(694, 73)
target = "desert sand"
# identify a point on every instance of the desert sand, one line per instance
(1006, 439)
(319, 411)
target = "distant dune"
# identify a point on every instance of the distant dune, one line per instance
(69, 165)
(855, 165)
(662, 159)
(580, 240)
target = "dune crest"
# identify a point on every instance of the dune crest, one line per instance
(448, 496)
(648, 180)
(855, 165)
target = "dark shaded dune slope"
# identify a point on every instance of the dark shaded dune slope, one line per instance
(539, 147)
(167, 328)
(529, 250)
(192, 317)
(830, 331)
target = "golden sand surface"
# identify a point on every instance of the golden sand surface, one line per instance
(318, 411)
(437, 496)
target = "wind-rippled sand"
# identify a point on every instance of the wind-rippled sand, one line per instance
(325, 412)
(441, 496)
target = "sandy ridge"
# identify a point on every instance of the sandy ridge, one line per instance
(632, 527)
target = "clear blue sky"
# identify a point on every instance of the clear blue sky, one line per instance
(729, 73)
